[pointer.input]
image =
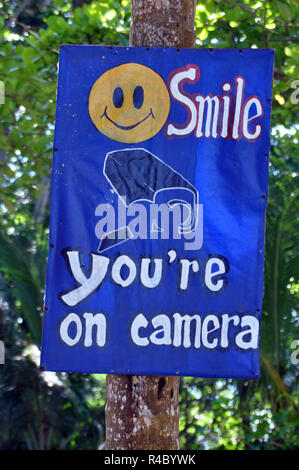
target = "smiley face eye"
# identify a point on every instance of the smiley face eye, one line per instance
(118, 97)
(138, 97)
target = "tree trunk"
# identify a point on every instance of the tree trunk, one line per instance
(142, 411)
(163, 23)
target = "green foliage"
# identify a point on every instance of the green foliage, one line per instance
(260, 24)
(20, 270)
(66, 411)
(282, 262)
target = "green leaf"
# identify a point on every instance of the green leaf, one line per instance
(29, 55)
(8, 204)
(15, 263)
(203, 34)
(284, 10)
(57, 23)
(8, 171)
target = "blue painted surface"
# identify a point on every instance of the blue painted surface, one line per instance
(230, 178)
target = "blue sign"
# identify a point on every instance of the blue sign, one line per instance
(158, 200)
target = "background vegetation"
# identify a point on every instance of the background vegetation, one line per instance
(42, 410)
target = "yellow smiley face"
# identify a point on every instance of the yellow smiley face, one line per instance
(129, 103)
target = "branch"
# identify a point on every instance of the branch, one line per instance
(21, 8)
(34, 34)
(242, 6)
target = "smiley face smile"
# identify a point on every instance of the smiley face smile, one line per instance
(127, 128)
(129, 103)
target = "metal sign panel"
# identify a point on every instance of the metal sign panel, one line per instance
(158, 200)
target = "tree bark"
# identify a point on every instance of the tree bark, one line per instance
(163, 23)
(142, 411)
